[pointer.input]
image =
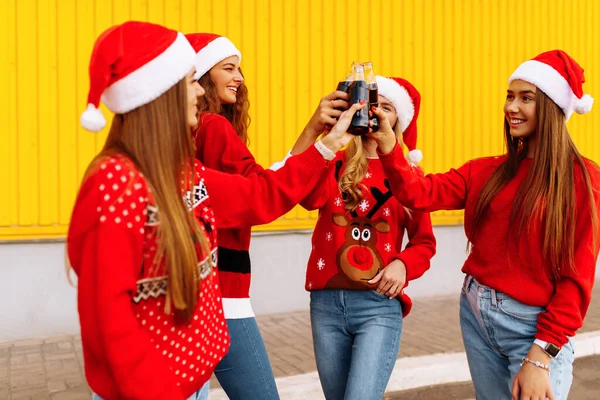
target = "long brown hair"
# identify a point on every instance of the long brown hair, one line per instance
(548, 192)
(236, 113)
(161, 124)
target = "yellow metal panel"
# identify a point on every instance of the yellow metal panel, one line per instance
(8, 112)
(458, 53)
(27, 152)
(47, 111)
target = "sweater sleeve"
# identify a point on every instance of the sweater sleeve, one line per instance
(111, 204)
(568, 306)
(420, 248)
(238, 201)
(219, 147)
(432, 192)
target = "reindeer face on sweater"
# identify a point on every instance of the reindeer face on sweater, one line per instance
(358, 258)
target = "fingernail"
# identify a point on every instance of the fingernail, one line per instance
(362, 103)
(373, 108)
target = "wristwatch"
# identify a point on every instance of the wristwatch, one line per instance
(550, 348)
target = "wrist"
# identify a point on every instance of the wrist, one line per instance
(386, 145)
(541, 365)
(310, 132)
(550, 349)
(538, 354)
(324, 150)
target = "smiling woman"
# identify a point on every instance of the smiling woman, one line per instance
(221, 143)
(523, 211)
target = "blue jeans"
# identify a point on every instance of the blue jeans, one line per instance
(201, 394)
(245, 371)
(498, 332)
(356, 336)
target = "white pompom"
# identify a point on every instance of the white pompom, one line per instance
(92, 119)
(584, 104)
(414, 156)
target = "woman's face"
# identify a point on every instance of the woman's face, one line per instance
(519, 108)
(227, 78)
(194, 91)
(388, 109)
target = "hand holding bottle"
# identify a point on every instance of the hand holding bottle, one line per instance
(385, 136)
(339, 137)
(327, 113)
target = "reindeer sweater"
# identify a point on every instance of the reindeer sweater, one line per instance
(499, 259)
(133, 348)
(219, 147)
(350, 248)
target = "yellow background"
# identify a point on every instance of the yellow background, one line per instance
(458, 53)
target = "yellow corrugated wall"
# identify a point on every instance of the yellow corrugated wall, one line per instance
(458, 53)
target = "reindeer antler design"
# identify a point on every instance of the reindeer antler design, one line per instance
(380, 197)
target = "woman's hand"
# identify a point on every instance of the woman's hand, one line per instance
(391, 279)
(338, 137)
(531, 382)
(327, 113)
(385, 136)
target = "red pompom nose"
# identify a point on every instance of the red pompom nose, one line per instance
(360, 258)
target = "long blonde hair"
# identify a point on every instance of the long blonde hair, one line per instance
(356, 167)
(155, 137)
(548, 192)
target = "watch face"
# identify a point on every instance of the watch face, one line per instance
(552, 349)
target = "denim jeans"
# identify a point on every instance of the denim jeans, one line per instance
(245, 371)
(498, 332)
(356, 337)
(201, 394)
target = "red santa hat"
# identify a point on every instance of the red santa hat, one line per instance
(407, 102)
(133, 64)
(560, 78)
(211, 49)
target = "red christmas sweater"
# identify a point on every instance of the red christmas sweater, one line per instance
(132, 348)
(350, 248)
(219, 147)
(517, 269)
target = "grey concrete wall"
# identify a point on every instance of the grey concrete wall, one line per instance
(36, 299)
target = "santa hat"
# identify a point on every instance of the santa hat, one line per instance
(133, 64)
(211, 49)
(560, 78)
(407, 102)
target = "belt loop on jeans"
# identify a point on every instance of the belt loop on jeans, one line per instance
(467, 283)
(494, 298)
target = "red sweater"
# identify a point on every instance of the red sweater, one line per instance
(516, 269)
(349, 248)
(219, 147)
(132, 348)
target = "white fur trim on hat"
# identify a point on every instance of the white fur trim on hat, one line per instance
(152, 79)
(549, 81)
(400, 98)
(215, 52)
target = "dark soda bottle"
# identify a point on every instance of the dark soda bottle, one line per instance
(358, 93)
(344, 86)
(373, 93)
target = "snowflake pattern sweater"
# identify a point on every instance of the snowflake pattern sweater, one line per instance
(515, 268)
(350, 248)
(132, 348)
(219, 147)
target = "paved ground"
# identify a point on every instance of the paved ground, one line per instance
(51, 368)
(586, 386)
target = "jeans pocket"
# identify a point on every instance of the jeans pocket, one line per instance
(520, 311)
(379, 296)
